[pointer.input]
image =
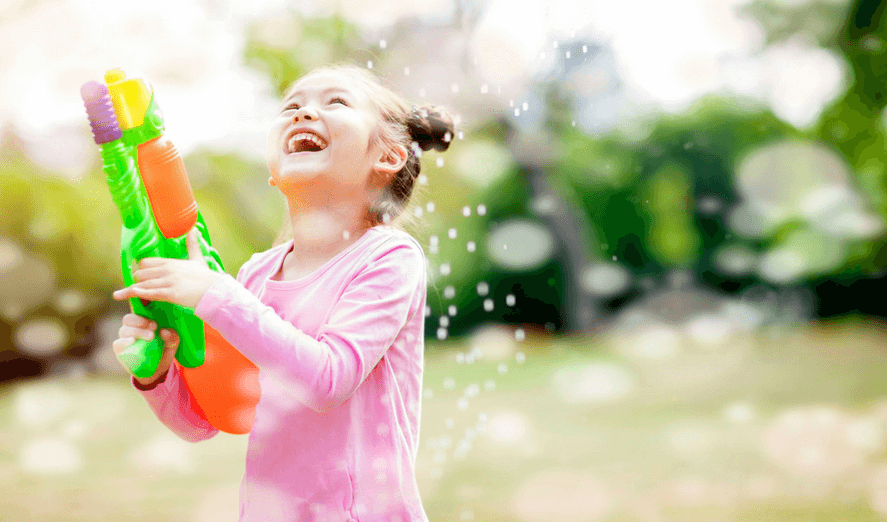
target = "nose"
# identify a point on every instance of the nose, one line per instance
(306, 113)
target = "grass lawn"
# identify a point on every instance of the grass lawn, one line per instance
(779, 425)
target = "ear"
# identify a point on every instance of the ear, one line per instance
(392, 160)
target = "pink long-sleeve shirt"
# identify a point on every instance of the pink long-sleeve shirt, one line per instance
(340, 354)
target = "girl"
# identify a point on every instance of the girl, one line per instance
(333, 317)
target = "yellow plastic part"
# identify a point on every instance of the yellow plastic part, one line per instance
(130, 98)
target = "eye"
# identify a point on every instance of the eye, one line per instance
(292, 106)
(339, 100)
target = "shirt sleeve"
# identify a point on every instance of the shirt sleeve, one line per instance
(172, 402)
(324, 372)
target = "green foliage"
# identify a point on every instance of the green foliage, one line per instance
(821, 20)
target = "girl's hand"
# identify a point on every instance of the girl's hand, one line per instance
(138, 327)
(178, 281)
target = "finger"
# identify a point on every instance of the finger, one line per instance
(138, 333)
(170, 337)
(195, 252)
(124, 293)
(145, 274)
(139, 321)
(148, 294)
(159, 282)
(193, 246)
(150, 262)
(121, 344)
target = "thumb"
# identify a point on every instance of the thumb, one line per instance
(193, 242)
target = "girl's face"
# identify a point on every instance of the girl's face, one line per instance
(322, 133)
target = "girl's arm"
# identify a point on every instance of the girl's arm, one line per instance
(323, 372)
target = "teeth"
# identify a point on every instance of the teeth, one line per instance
(305, 136)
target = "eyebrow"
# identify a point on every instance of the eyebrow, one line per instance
(324, 92)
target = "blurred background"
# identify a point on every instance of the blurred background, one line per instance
(657, 249)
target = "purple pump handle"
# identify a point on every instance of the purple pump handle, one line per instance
(100, 112)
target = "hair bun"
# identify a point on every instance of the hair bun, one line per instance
(430, 128)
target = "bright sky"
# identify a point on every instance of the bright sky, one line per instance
(667, 54)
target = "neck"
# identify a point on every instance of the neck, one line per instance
(320, 233)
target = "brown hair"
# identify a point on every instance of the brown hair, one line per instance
(417, 128)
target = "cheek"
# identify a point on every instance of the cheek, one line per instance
(272, 149)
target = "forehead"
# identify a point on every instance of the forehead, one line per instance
(327, 81)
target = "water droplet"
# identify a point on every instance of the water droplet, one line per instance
(427, 311)
(511, 103)
(422, 93)
(567, 55)
(542, 55)
(517, 112)
(555, 44)
(488, 305)
(451, 233)
(452, 310)
(444, 321)
(614, 258)
(520, 357)
(573, 123)
(445, 269)
(449, 383)
(504, 246)
(466, 211)
(433, 240)
(432, 249)
(525, 106)
(383, 44)
(519, 334)
(462, 404)
(406, 71)
(471, 246)
(688, 146)
(346, 234)
(429, 206)
(423, 179)
(483, 288)
(502, 368)
(484, 88)
(369, 64)
(441, 334)
(489, 385)
(584, 48)
(481, 210)
(417, 211)
(449, 292)
(461, 135)
(439, 162)
(460, 358)
(454, 88)
(428, 393)
(473, 390)
(509, 300)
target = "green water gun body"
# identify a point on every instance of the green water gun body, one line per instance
(150, 187)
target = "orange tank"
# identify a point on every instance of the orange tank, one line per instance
(167, 186)
(225, 386)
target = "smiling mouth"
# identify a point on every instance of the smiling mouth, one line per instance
(305, 142)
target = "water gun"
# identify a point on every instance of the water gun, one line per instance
(150, 187)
